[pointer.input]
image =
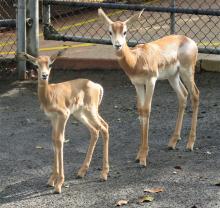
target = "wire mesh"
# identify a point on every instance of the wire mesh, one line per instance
(7, 37)
(78, 21)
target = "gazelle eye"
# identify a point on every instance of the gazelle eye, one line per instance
(125, 32)
(110, 33)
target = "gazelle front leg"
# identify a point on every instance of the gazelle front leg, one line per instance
(55, 171)
(52, 180)
(140, 90)
(144, 109)
(57, 177)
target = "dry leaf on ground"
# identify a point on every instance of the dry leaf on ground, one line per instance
(217, 184)
(145, 198)
(66, 140)
(154, 190)
(122, 202)
(178, 167)
(39, 147)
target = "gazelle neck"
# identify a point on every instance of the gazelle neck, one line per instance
(43, 91)
(127, 59)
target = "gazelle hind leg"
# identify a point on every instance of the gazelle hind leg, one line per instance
(105, 136)
(182, 93)
(94, 134)
(95, 123)
(100, 124)
(188, 79)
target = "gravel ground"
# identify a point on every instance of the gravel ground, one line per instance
(24, 169)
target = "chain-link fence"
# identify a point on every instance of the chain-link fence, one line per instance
(78, 20)
(7, 37)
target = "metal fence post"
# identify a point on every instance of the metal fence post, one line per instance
(21, 37)
(172, 18)
(46, 14)
(32, 27)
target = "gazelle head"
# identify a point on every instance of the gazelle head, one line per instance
(43, 63)
(118, 29)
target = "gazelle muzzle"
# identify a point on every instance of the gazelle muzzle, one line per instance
(45, 76)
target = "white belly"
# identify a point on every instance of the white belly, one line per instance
(138, 80)
(168, 72)
(50, 115)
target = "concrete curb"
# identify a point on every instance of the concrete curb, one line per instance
(86, 63)
(210, 64)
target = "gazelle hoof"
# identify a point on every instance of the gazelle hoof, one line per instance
(173, 142)
(104, 176)
(57, 192)
(57, 189)
(79, 176)
(81, 173)
(143, 163)
(190, 147)
(171, 147)
(49, 185)
(137, 160)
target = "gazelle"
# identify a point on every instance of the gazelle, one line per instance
(172, 57)
(81, 98)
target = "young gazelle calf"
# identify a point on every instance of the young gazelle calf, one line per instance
(173, 58)
(81, 98)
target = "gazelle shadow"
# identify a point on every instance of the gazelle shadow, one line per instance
(32, 188)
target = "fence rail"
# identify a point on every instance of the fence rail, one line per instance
(77, 20)
(8, 23)
(199, 21)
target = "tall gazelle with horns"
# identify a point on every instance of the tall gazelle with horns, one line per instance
(81, 98)
(173, 58)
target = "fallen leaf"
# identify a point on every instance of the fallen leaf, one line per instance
(66, 186)
(145, 198)
(121, 202)
(39, 147)
(217, 184)
(209, 153)
(66, 140)
(178, 167)
(174, 172)
(154, 190)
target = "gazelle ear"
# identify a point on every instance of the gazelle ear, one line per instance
(28, 57)
(133, 18)
(104, 17)
(58, 54)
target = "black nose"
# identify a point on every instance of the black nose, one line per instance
(44, 76)
(117, 46)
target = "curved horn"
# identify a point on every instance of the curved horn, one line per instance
(27, 57)
(133, 18)
(57, 54)
(104, 16)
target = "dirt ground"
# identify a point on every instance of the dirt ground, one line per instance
(24, 168)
